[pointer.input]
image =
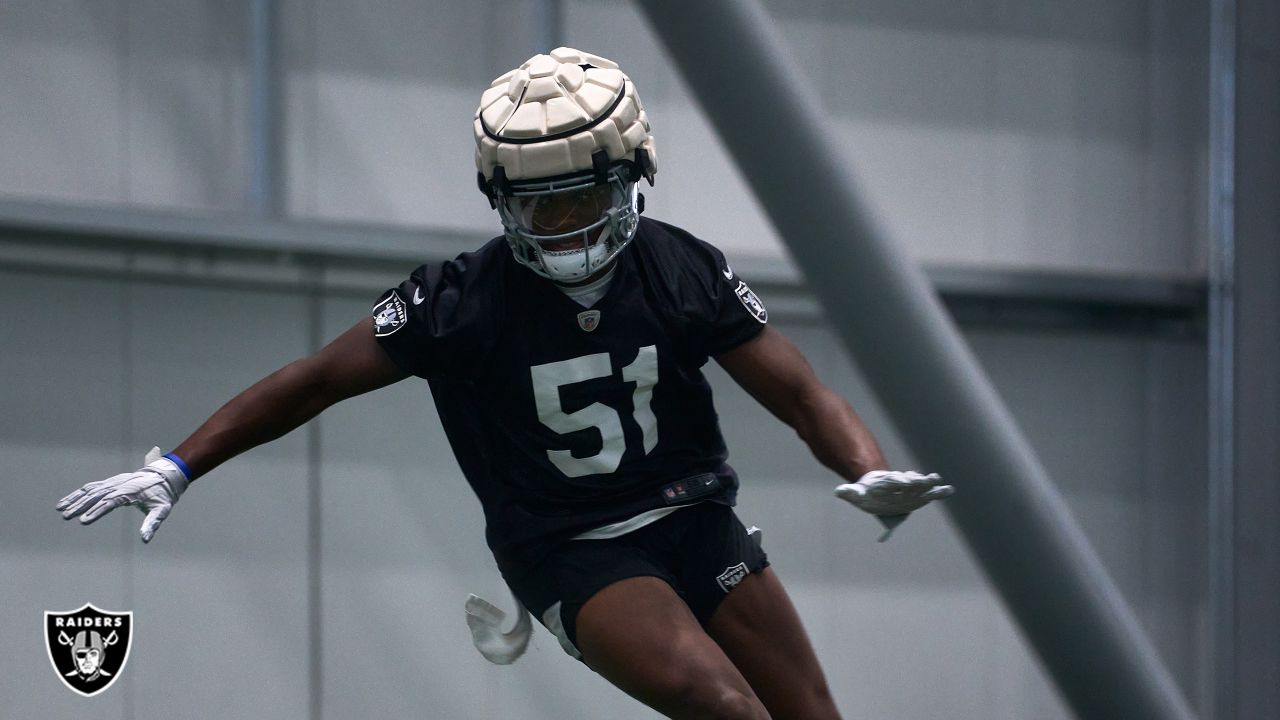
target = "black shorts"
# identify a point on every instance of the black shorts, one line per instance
(702, 552)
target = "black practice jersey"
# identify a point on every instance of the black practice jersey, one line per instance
(565, 418)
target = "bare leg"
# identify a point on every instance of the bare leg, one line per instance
(639, 635)
(760, 631)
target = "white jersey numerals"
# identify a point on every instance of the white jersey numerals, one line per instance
(643, 371)
(547, 381)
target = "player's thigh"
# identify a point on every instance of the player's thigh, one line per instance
(638, 634)
(760, 631)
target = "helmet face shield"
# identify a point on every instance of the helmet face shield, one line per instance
(567, 228)
(563, 211)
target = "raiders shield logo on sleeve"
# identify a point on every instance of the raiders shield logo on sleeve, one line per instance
(88, 647)
(389, 315)
(731, 576)
(751, 302)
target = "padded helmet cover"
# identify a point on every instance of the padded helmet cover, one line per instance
(548, 117)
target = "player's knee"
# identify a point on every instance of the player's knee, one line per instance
(733, 705)
(726, 703)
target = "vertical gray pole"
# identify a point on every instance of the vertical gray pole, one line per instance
(315, 517)
(1221, 344)
(1018, 526)
(1254, 684)
(266, 152)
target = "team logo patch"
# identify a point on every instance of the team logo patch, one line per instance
(588, 320)
(88, 647)
(751, 302)
(389, 315)
(731, 576)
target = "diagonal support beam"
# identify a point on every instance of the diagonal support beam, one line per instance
(1016, 523)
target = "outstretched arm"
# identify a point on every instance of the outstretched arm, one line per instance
(774, 372)
(350, 365)
(770, 368)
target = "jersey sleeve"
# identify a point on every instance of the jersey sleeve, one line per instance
(440, 322)
(720, 309)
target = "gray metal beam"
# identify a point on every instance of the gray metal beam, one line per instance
(130, 227)
(1019, 527)
(51, 236)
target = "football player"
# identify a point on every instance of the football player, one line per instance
(565, 361)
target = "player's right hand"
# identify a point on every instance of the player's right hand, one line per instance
(892, 492)
(892, 495)
(153, 488)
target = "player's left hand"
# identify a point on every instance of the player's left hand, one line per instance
(891, 494)
(485, 620)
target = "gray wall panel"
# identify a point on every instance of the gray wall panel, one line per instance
(1118, 424)
(62, 125)
(227, 570)
(187, 102)
(380, 103)
(62, 400)
(136, 103)
(399, 539)
(1026, 135)
(1112, 418)
(881, 616)
(1012, 134)
(103, 371)
(1256, 421)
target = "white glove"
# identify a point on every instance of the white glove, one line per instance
(153, 489)
(485, 620)
(890, 494)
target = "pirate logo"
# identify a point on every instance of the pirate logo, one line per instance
(88, 647)
(588, 320)
(389, 315)
(751, 302)
(731, 576)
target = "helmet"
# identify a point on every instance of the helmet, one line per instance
(560, 143)
(87, 649)
(87, 640)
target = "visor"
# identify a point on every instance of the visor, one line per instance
(567, 228)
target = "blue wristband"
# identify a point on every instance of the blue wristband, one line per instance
(186, 471)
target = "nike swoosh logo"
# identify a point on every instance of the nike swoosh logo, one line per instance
(417, 296)
(728, 272)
